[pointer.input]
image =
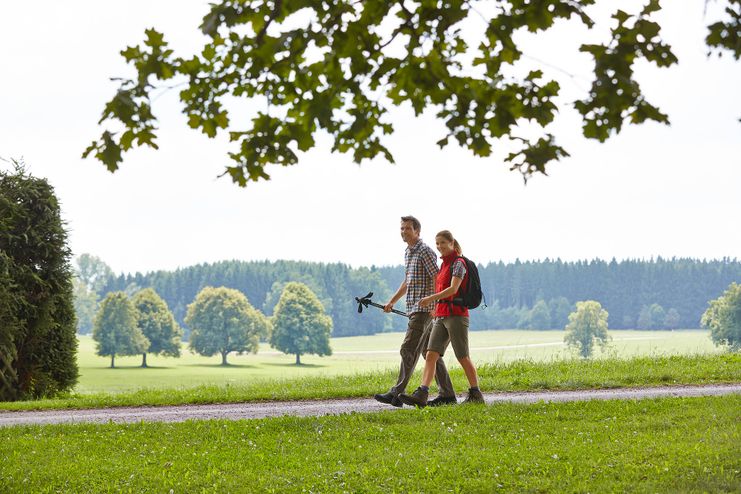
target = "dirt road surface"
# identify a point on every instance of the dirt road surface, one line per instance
(237, 411)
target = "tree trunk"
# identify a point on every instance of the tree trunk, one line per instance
(223, 358)
(144, 359)
(298, 359)
(113, 356)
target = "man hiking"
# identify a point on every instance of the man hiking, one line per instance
(419, 282)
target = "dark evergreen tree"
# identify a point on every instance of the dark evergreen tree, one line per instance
(38, 344)
(10, 328)
(560, 310)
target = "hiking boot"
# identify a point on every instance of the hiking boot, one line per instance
(474, 396)
(389, 399)
(442, 400)
(418, 398)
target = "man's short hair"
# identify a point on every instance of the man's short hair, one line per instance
(416, 225)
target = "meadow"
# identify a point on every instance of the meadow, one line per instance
(661, 445)
(362, 366)
(360, 354)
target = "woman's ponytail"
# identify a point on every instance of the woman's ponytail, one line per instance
(457, 247)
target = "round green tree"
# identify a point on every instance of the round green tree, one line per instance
(540, 316)
(37, 327)
(586, 325)
(157, 323)
(300, 326)
(115, 331)
(223, 321)
(723, 318)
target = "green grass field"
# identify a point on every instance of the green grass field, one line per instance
(518, 375)
(663, 445)
(362, 354)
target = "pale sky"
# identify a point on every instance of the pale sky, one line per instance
(653, 190)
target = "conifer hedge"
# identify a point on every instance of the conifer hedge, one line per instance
(38, 347)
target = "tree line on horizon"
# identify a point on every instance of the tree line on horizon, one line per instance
(638, 294)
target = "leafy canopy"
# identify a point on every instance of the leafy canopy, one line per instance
(300, 325)
(157, 323)
(115, 331)
(223, 321)
(337, 67)
(586, 325)
(723, 318)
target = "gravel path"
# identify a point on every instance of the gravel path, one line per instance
(236, 411)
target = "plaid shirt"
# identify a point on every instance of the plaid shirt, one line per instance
(459, 269)
(421, 269)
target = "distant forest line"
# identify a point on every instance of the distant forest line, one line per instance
(646, 294)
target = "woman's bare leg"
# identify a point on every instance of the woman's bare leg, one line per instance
(428, 373)
(469, 369)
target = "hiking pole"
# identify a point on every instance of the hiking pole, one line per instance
(366, 301)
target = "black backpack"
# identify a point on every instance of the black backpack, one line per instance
(471, 295)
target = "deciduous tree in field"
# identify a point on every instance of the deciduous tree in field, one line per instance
(587, 325)
(651, 317)
(540, 316)
(116, 332)
(723, 318)
(300, 326)
(38, 346)
(93, 272)
(338, 67)
(157, 324)
(671, 321)
(223, 321)
(86, 306)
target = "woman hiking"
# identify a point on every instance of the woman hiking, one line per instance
(451, 322)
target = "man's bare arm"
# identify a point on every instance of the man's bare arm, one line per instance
(399, 293)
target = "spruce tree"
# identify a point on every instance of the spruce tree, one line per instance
(38, 345)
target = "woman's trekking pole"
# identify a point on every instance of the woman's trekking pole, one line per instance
(366, 301)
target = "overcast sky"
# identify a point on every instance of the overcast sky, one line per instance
(653, 190)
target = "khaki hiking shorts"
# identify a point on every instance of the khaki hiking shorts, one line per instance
(451, 329)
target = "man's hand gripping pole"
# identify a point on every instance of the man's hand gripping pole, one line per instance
(366, 301)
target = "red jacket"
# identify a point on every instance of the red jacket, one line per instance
(443, 309)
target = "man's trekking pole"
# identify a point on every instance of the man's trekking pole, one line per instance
(366, 301)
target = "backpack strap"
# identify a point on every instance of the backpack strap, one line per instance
(459, 301)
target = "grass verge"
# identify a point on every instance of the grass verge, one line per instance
(523, 375)
(661, 445)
